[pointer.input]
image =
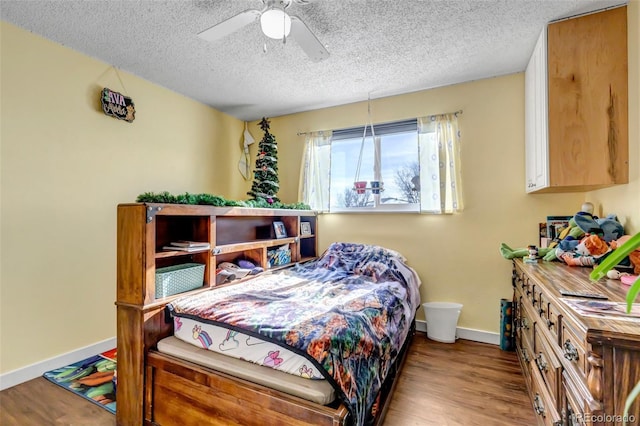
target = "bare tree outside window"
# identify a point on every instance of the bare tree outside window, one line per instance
(407, 179)
(350, 198)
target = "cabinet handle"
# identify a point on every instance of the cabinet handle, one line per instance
(524, 323)
(570, 351)
(541, 311)
(538, 406)
(525, 355)
(541, 363)
(534, 302)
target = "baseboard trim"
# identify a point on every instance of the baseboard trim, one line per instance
(24, 374)
(467, 334)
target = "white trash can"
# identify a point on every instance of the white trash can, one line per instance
(442, 320)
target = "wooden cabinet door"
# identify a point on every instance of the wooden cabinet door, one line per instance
(588, 107)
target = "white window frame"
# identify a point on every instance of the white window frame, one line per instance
(436, 163)
(391, 128)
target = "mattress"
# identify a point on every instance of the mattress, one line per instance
(348, 313)
(318, 391)
(241, 346)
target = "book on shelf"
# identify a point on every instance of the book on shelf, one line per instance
(187, 249)
(555, 225)
(185, 243)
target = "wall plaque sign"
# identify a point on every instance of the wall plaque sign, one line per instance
(117, 105)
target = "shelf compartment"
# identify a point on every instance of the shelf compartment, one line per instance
(308, 248)
(176, 228)
(257, 256)
(249, 245)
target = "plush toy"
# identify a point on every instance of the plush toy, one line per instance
(509, 253)
(586, 253)
(634, 256)
(584, 242)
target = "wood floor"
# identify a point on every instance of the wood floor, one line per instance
(465, 383)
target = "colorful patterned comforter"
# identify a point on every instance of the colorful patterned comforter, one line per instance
(348, 312)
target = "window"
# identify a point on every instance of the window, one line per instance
(405, 166)
(388, 160)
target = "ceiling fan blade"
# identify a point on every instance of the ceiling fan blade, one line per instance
(231, 25)
(307, 41)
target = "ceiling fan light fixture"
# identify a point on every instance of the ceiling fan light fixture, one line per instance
(275, 23)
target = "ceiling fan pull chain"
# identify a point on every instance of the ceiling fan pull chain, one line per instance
(284, 24)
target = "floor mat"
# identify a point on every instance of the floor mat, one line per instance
(93, 379)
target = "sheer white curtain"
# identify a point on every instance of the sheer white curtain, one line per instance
(440, 177)
(315, 173)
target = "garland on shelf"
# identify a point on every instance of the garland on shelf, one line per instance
(215, 200)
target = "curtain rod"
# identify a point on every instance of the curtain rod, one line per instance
(455, 112)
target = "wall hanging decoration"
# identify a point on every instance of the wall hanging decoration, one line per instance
(117, 105)
(243, 164)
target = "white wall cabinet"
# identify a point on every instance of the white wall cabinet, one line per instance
(576, 105)
(536, 136)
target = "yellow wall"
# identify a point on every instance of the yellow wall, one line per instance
(456, 256)
(65, 166)
(624, 200)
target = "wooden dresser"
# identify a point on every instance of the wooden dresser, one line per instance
(578, 369)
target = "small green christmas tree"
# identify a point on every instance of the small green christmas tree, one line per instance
(265, 176)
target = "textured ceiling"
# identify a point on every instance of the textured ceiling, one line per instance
(377, 47)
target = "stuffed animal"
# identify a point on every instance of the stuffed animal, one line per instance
(634, 256)
(586, 253)
(584, 242)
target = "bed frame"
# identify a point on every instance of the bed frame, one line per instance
(158, 389)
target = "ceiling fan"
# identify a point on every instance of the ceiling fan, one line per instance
(276, 23)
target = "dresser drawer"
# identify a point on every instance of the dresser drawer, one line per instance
(524, 356)
(525, 324)
(543, 404)
(548, 313)
(547, 365)
(575, 410)
(553, 321)
(573, 348)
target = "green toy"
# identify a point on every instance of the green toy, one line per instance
(509, 253)
(547, 253)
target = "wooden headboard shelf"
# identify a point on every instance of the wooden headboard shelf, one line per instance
(143, 229)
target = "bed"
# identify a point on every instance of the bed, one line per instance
(332, 335)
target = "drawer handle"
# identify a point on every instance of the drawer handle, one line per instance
(538, 406)
(534, 302)
(570, 351)
(525, 355)
(568, 417)
(541, 311)
(524, 323)
(541, 363)
(550, 324)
